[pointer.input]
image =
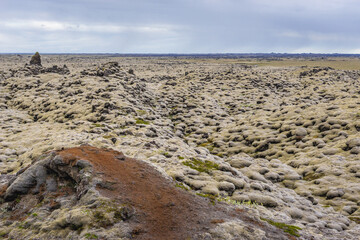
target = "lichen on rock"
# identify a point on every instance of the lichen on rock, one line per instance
(36, 59)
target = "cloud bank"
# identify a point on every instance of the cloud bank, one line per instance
(179, 26)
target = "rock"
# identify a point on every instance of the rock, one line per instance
(350, 209)
(240, 163)
(335, 226)
(55, 69)
(310, 219)
(9, 152)
(234, 230)
(300, 133)
(324, 127)
(78, 218)
(196, 184)
(296, 213)
(264, 200)
(333, 193)
(238, 182)
(226, 186)
(3, 158)
(211, 189)
(34, 176)
(355, 142)
(330, 151)
(35, 59)
(262, 147)
(319, 143)
(177, 175)
(256, 176)
(150, 133)
(355, 150)
(226, 168)
(263, 170)
(256, 186)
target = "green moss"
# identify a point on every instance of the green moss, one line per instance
(220, 155)
(182, 186)
(187, 134)
(355, 219)
(180, 157)
(98, 125)
(118, 214)
(141, 121)
(313, 176)
(201, 166)
(3, 234)
(99, 216)
(290, 229)
(209, 145)
(107, 136)
(109, 212)
(213, 198)
(141, 112)
(23, 225)
(91, 236)
(205, 144)
(250, 203)
(122, 213)
(207, 195)
(166, 154)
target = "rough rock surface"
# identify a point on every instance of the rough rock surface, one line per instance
(77, 192)
(280, 143)
(36, 59)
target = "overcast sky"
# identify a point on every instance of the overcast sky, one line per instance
(179, 26)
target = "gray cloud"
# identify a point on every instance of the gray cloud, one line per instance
(179, 26)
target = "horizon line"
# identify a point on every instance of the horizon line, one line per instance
(210, 53)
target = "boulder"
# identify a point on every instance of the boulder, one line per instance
(36, 59)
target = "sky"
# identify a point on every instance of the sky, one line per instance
(179, 26)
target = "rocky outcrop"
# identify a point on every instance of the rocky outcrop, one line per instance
(104, 70)
(102, 188)
(36, 59)
(33, 70)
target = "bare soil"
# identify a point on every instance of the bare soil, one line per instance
(162, 210)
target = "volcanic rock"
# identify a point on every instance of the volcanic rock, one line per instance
(36, 59)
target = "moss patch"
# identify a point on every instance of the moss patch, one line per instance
(209, 145)
(141, 121)
(249, 203)
(182, 186)
(290, 229)
(98, 125)
(313, 176)
(91, 236)
(166, 154)
(107, 136)
(141, 112)
(211, 197)
(355, 219)
(201, 166)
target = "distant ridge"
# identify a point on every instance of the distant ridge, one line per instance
(207, 55)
